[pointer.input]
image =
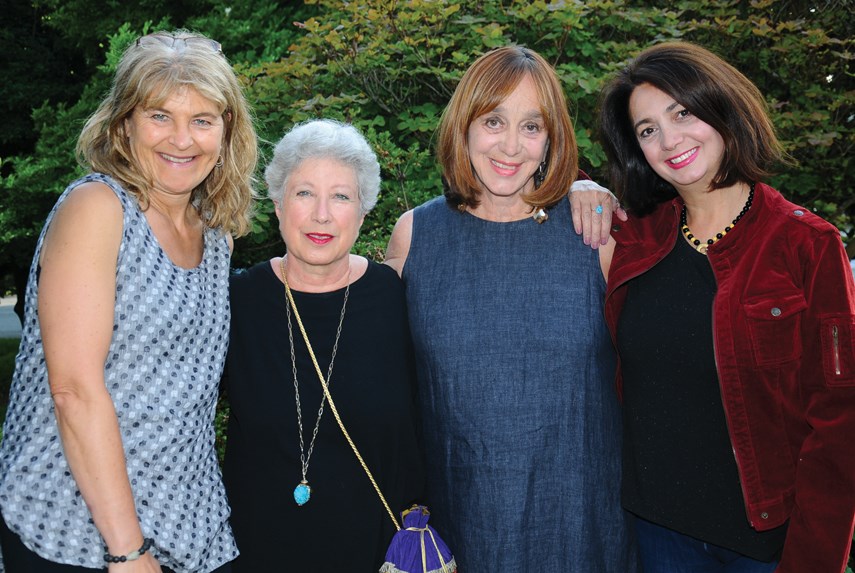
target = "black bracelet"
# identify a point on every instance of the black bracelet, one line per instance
(132, 556)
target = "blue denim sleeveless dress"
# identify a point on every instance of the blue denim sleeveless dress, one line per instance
(516, 380)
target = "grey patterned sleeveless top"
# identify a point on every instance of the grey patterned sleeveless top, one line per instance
(521, 422)
(170, 336)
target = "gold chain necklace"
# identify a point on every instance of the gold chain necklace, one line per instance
(303, 491)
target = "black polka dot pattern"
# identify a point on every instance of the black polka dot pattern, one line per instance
(170, 336)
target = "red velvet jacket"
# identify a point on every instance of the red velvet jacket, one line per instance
(783, 326)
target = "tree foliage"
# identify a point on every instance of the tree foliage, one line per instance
(34, 68)
(389, 67)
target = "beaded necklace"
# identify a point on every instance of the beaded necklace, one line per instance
(702, 247)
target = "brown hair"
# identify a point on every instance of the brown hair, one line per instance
(150, 70)
(712, 90)
(488, 82)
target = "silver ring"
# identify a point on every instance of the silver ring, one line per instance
(598, 209)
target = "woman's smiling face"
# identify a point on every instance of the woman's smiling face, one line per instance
(508, 143)
(320, 212)
(176, 143)
(681, 148)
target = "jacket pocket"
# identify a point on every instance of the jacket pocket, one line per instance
(838, 356)
(774, 327)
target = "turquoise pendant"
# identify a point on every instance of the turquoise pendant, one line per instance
(302, 493)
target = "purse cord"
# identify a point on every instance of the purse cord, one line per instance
(332, 404)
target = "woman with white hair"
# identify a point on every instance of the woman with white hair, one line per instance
(290, 474)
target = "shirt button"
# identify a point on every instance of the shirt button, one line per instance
(798, 212)
(776, 311)
(764, 515)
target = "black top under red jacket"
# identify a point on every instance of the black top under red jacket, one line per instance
(783, 322)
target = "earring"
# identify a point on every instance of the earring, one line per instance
(540, 174)
(219, 162)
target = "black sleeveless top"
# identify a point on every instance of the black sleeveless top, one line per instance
(679, 470)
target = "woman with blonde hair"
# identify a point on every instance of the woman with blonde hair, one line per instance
(108, 453)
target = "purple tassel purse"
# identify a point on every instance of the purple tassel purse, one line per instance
(415, 549)
(418, 548)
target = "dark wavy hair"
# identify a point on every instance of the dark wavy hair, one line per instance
(712, 90)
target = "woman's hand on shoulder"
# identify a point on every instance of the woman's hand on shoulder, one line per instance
(399, 243)
(593, 207)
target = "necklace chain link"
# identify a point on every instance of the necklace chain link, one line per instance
(306, 456)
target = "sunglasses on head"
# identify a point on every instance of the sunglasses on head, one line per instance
(171, 41)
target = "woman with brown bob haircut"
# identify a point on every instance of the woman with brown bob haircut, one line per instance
(487, 83)
(521, 424)
(732, 311)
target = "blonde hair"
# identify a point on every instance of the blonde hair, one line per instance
(484, 86)
(149, 72)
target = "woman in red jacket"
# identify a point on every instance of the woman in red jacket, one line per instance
(733, 312)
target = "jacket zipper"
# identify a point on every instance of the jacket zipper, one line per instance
(835, 349)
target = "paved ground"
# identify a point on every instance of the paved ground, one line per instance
(10, 326)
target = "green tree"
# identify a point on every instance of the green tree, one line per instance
(34, 68)
(50, 79)
(390, 67)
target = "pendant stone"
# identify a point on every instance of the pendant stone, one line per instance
(302, 493)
